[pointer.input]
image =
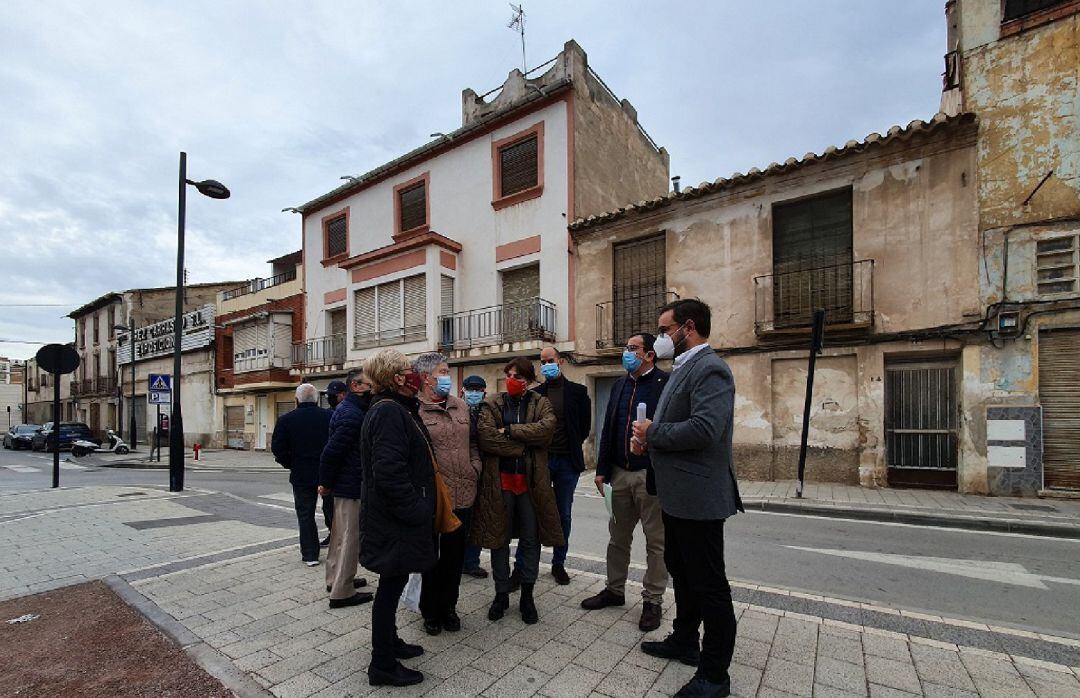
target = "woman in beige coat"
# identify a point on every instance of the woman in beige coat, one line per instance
(447, 419)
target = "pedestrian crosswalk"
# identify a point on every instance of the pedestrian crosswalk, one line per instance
(64, 465)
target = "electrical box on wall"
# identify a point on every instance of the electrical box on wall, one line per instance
(1008, 323)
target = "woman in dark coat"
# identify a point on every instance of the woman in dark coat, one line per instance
(397, 512)
(514, 498)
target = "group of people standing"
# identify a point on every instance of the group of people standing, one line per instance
(507, 465)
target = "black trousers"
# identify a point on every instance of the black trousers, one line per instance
(384, 619)
(439, 591)
(305, 497)
(328, 512)
(694, 554)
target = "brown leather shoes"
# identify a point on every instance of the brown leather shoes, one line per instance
(650, 616)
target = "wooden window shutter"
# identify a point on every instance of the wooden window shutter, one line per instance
(1057, 264)
(389, 303)
(336, 237)
(364, 327)
(812, 259)
(415, 307)
(446, 305)
(413, 205)
(518, 166)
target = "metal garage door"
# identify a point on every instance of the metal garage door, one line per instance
(922, 416)
(1059, 393)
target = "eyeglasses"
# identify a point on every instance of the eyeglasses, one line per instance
(665, 329)
(633, 348)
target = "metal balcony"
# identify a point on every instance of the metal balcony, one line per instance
(532, 319)
(785, 302)
(320, 351)
(619, 319)
(256, 285)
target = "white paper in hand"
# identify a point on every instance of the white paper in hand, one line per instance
(607, 501)
(410, 597)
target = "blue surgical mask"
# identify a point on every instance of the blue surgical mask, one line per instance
(630, 361)
(474, 397)
(443, 386)
(550, 371)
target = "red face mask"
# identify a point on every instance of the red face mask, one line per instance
(414, 381)
(515, 387)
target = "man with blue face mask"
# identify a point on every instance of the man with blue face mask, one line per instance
(473, 391)
(566, 461)
(630, 475)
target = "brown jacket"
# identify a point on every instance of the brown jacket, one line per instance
(530, 440)
(459, 459)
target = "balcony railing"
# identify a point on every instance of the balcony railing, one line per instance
(259, 363)
(786, 301)
(102, 385)
(256, 285)
(320, 351)
(383, 338)
(617, 320)
(532, 319)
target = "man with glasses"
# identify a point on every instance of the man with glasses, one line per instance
(689, 441)
(633, 489)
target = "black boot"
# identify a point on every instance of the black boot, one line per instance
(499, 605)
(527, 606)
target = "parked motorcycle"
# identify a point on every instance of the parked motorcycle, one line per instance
(113, 444)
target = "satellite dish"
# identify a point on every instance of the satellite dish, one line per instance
(58, 358)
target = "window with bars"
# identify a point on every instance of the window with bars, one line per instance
(518, 166)
(640, 282)
(1015, 9)
(412, 204)
(390, 313)
(1057, 265)
(337, 236)
(812, 259)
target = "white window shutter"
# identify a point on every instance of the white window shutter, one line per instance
(364, 327)
(415, 307)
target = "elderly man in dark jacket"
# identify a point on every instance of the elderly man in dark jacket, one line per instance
(298, 440)
(340, 477)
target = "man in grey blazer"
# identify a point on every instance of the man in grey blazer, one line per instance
(689, 442)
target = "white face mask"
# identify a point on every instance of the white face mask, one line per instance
(664, 347)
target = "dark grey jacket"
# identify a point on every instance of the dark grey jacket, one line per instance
(690, 441)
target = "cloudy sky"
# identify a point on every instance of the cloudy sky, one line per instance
(279, 99)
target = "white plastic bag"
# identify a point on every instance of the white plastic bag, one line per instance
(410, 598)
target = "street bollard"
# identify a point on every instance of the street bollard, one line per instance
(196, 448)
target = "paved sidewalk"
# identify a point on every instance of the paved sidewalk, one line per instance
(209, 459)
(229, 572)
(1040, 516)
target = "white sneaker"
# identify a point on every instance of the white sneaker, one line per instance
(311, 563)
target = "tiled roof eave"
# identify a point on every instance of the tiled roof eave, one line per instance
(896, 133)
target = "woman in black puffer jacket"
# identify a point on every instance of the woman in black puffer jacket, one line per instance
(397, 512)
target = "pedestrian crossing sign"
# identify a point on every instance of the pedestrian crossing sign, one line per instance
(160, 383)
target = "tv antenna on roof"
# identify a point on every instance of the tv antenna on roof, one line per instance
(517, 21)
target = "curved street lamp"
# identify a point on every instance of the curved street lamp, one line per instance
(215, 190)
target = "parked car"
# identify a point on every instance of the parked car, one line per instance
(20, 436)
(70, 432)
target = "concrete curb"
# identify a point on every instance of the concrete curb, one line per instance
(213, 662)
(919, 518)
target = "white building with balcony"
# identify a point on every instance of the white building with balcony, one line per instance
(462, 244)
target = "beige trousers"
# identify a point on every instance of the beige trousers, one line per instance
(631, 504)
(342, 559)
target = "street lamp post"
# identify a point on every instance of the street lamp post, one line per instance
(215, 190)
(130, 329)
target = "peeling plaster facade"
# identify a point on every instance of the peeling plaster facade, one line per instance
(914, 214)
(1022, 78)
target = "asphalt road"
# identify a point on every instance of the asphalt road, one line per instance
(1005, 579)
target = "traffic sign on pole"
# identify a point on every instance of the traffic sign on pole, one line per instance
(160, 389)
